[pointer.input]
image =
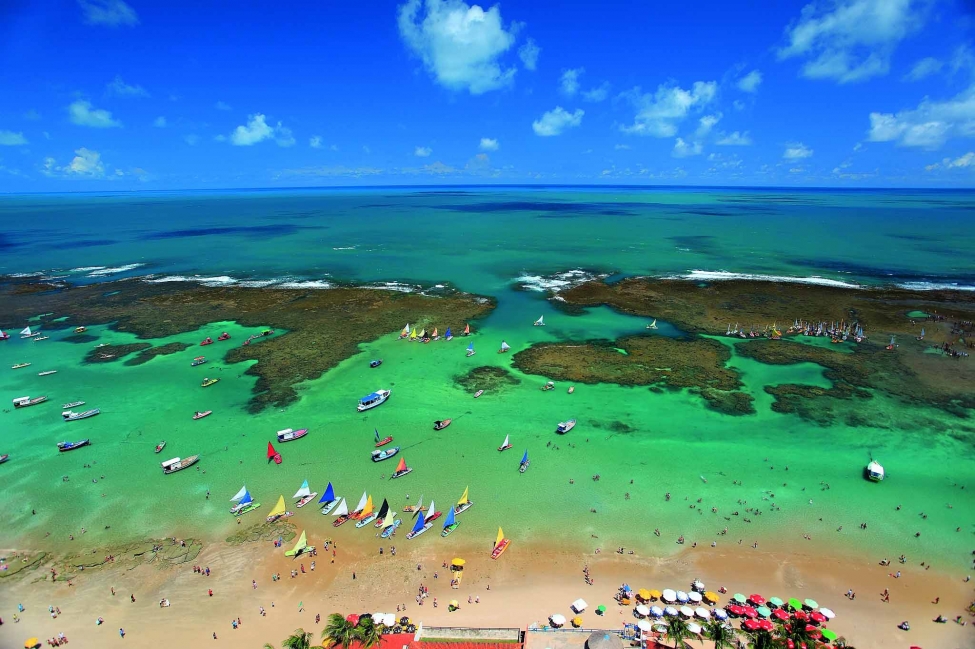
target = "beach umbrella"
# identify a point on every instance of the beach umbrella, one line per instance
(600, 609)
(352, 619)
(776, 602)
(556, 619)
(643, 625)
(756, 599)
(687, 611)
(670, 611)
(654, 593)
(668, 595)
(817, 617)
(741, 599)
(734, 609)
(711, 597)
(801, 616)
(642, 610)
(702, 613)
(720, 613)
(30, 643)
(698, 586)
(389, 620)
(694, 597)
(828, 613)
(829, 634)
(579, 605)
(682, 596)
(603, 640)
(751, 625)
(458, 563)
(765, 625)
(656, 611)
(780, 615)
(577, 621)
(694, 628)
(810, 603)
(764, 611)
(794, 604)
(643, 594)
(749, 612)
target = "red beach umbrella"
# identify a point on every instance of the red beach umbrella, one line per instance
(756, 599)
(352, 618)
(801, 616)
(749, 612)
(817, 617)
(765, 625)
(780, 615)
(811, 629)
(734, 609)
(751, 625)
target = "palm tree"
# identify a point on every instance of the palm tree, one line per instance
(677, 631)
(300, 639)
(367, 633)
(721, 634)
(339, 632)
(762, 640)
(796, 631)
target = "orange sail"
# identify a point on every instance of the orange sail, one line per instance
(467, 330)
(402, 465)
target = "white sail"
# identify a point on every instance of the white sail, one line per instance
(362, 502)
(26, 331)
(505, 345)
(507, 442)
(342, 509)
(430, 510)
(540, 321)
(240, 494)
(419, 503)
(303, 491)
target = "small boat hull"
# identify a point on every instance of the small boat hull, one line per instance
(341, 520)
(160, 446)
(73, 404)
(246, 509)
(365, 521)
(182, 464)
(223, 336)
(201, 415)
(208, 382)
(75, 416)
(307, 499)
(500, 548)
(384, 441)
(478, 393)
(440, 425)
(413, 535)
(400, 474)
(523, 467)
(504, 448)
(460, 509)
(369, 402)
(389, 531)
(447, 531)
(329, 506)
(379, 456)
(565, 426)
(376, 363)
(4, 458)
(291, 435)
(64, 447)
(277, 458)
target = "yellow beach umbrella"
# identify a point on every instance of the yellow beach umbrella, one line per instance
(655, 594)
(711, 597)
(30, 643)
(458, 562)
(577, 622)
(643, 594)
(453, 602)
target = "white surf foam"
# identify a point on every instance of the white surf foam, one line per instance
(724, 276)
(102, 272)
(318, 284)
(935, 286)
(556, 282)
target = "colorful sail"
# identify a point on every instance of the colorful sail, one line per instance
(299, 546)
(406, 331)
(389, 519)
(270, 451)
(435, 332)
(384, 509)
(413, 335)
(362, 502)
(419, 524)
(342, 509)
(500, 537)
(450, 518)
(367, 509)
(240, 494)
(464, 499)
(279, 509)
(525, 457)
(470, 347)
(430, 510)
(448, 335)
(423, 333)
(246, 500)
(402, 465)
(329, 494)
(467, 330)
(377, 434)
(303, 491)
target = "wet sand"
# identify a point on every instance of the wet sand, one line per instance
(527, 584)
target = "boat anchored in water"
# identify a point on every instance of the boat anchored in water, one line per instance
(206, 341)
(500, 545)
(467, 331)
(384, 454)
(304, 495)
(224, 336)
(19, 366)
(376, 363)
(47, 373)
(506, 444)
(478, 393)
(401, 469)
(178, 464)
(70, 446)
(441, 424)
(200, 415)
(470, 350)
(4, 457)
(874, 471)
(525, 463)
(341, 513)
(80, 330)
(652, 325)
(366, 515)
(244, 503)
(208, 382)
(272, 454)
(384, 440)
(464, 503)
(199, 360)
(329, 500)
(279, 511)
(423, 523)
(72, 404)
(27, 333)
(160, 446)
(69, 415)
(504, 347)
(24, 402)
(565, 426)
(540, 322)
(450, 524)
(372, 400)
(289, 435)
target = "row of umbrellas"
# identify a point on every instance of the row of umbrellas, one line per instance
(671, 596)
(670, 611)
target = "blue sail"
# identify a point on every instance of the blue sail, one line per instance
(377, 433)
(329, 494)
(470, 347)
(247, 499)
(525, 458)
(419, 524)
(448, 334)
(450, 518)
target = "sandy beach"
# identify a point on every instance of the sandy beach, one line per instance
(525, 586)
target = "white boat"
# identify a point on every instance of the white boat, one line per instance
(874, 471)
(38, 337)
(652, 325)
(69, 415)
(470, 350)
(47, 373)
(73, 404)
(565, 426)
(372, 400)
(24, 402)
(178, 464)
(27, 333)
(504, 347)
(304, 495)
(540, 322)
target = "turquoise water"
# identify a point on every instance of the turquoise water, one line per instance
(481, 241)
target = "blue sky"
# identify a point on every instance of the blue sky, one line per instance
(119, 95)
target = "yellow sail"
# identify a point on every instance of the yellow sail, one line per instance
(300, 545)
(390, 518)
(368, 508)
(500, 537)
(423, 332)
(414, 334)
(463, 499)
(279, 509)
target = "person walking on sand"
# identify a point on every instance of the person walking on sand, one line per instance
(121, 633)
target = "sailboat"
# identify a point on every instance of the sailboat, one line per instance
(432, 513)
(5, 336)
(450, 524)
(423, 523)
(507, 443)
(362, 505)
(401, 469)
(448, 335)
(272, 454)
(652, 325)
(436, 335)
(279, 511)
(418, 507)
(27, 333)
(245, 505)
(504, 347)
(921, 337)
(524, 463)
(328, 499)
(300, 547)
(413, 334)
(540, 322)
(470, 350)
(304, 495)
(342, 512)
(500, 545)
(389, 530)
(240, 494)
(405, 332)
(422, 335)
(382, 514)
(367, 515)
(383, 441)
(467, 331)
(464, 503)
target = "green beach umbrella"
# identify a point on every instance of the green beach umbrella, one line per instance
(741, 599)
(794, 604)
(764, 611)
(776, 602)
(600, 609)
(811, 603)
(829, 635)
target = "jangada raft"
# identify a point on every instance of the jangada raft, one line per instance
(423, 523)
(304, 495)
(329, 500)
(384, 440)
(500, 545)
(279, 511)
(178, 464)
(401, 469)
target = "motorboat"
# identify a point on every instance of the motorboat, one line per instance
(72, 404)
(19, 366)
(874, 471)
(376, 363)
(377, 398)
(290, 435)
(384, 454)
(199, 360)
(478, 393)
(177, 464)
(24, 402)
(224, 336)
(4, 458)
(160, 446)
(201, 415)
(69, 415)
(565, 426)
(208, 382)
(63, 447)
(47, 373)
(440, 425)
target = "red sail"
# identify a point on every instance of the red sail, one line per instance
(270, 451)
(401, 466)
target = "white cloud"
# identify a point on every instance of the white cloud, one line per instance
(315, 142)
(222, 105)
(966, 160)
(857, 146)
(850, 40)
(460, 45)
(750, 82)
(85, 164)
(108, 12)
(82, 113)
(192, 139)
(159, 122)
(924, 68)
(257, 130)
(557, 120)
(659, 113)
(737, 138)
(529, 54)
(9, 138)
(422, 151)
(929, 125)
(569, 81)
(684, 149)
(489, 144)
(621, 147)
(705, 124)
(797, 151)
(121, 89)
(598, 94)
